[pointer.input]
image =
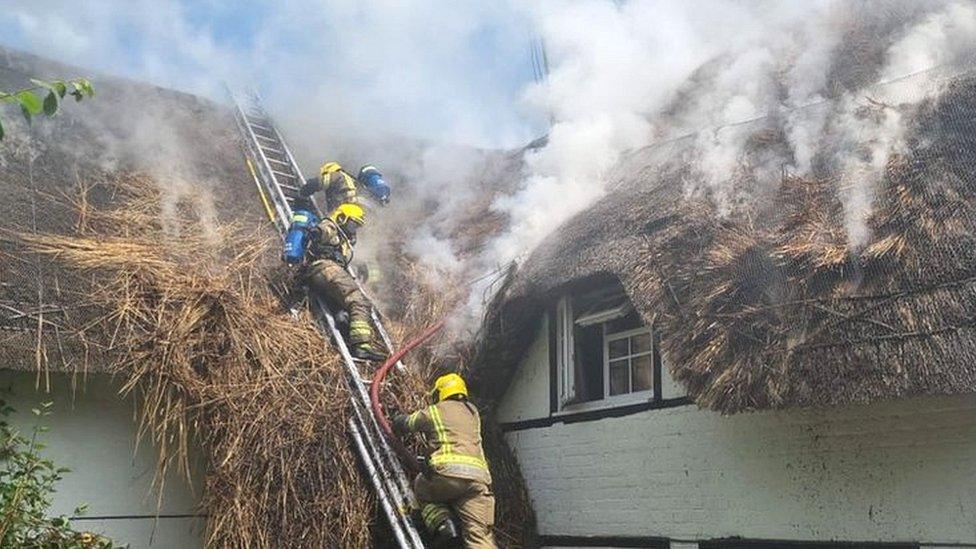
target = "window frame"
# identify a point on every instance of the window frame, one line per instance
(565, 384)
(565, 358)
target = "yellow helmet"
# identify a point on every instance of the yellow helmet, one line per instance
(449, 385)
(329, 168)
(348, 212)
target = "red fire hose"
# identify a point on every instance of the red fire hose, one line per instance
(380, 375)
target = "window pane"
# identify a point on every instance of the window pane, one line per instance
(619, 377)
(643, 372)
(618, 348)
(642, 344)
(588, 367)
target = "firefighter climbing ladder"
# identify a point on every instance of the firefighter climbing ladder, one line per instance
(278, 180)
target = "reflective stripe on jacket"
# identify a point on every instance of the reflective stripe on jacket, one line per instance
(453, 431)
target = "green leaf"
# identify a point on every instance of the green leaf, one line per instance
(60, 88)
(51, 103)
(30, 102)
(86, 87)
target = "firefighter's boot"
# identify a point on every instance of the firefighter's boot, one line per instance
(440, 523)
(365, 351)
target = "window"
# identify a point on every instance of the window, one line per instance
(605, 356)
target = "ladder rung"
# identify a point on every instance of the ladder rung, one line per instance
(260, 127)
(275, 151)
(277, 161)
(284, 174)
(271, 139)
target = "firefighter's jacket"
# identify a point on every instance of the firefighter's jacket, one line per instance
(453, 432)
(340, 188)
(331, 243)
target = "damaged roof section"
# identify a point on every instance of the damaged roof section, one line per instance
(54, 172)
(773, 293)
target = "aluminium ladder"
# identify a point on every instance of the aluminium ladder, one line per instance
(279, 180)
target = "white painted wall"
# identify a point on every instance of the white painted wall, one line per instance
(93, 433)
(528, 393)
(904, 470)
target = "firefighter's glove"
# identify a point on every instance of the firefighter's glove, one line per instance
(312, 186)
(400, 426)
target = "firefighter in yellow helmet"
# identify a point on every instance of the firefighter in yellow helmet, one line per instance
(458, 473)
(339, 186)
(331, 250)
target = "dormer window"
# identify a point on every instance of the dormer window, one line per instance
(605, 355)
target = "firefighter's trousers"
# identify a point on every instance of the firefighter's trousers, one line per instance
(472, 500)
(332, 280)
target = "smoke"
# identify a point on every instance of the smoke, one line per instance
(431, 92)
(628, 75)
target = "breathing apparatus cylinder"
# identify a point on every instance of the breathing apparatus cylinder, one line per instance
(298, 237)
(372, 179)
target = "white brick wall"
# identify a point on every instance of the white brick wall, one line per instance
(898, 471)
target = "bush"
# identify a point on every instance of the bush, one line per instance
(27, 482)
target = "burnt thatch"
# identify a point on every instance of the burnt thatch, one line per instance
(773, 304)
(190, 145)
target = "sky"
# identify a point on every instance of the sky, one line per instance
(449, 71)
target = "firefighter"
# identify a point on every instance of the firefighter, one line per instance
(457, 473)
(331, 251)
(339, 186)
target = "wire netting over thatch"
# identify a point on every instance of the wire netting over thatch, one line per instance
(769, 302)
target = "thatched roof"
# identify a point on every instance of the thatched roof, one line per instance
(771, 305)
(185, 143)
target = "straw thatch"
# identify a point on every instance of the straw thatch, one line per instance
(190, 327)
(189, 143)
(772, 305)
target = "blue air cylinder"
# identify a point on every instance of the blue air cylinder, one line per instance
(296, 241)
(372, 179)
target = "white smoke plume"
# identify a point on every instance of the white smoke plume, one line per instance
(427, 90)
(626, 75)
